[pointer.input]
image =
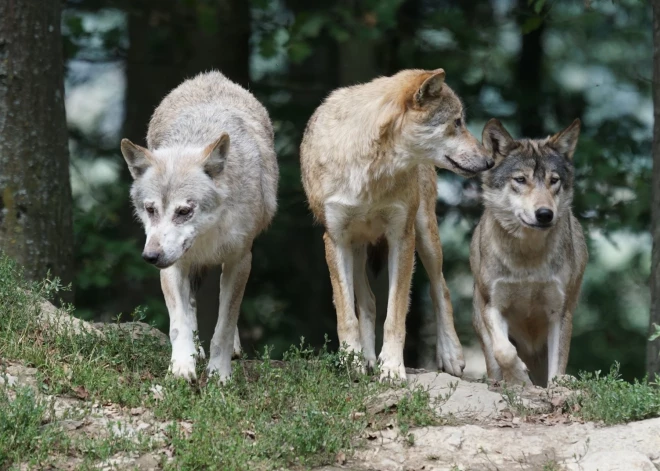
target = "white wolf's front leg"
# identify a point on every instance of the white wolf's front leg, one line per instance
(232, 286)
(176, 289)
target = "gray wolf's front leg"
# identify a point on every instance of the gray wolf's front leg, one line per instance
(232, 286)
(183, 322)
(513, 368)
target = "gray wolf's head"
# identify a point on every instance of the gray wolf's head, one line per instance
(531, 185)
(433, 126)
(176, 193)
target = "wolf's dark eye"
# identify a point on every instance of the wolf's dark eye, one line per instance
(554, 180)
(519, 179)
(458, 122)
(150, 209)
(183, 211)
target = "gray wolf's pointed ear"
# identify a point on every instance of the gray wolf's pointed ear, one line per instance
(215, 156)
(565, 141)
(138, 158)
(496, 139)
(430, 88)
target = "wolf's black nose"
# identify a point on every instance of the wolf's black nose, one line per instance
(151, 257)
(544, 215)
(490, 163)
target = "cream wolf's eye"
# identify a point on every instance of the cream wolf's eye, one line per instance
(519, 179)
(554, 180)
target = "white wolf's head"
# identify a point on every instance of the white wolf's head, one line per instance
(176, 193)
(531, 185)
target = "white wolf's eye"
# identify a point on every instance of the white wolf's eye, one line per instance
(150, 209)
(183, 211)
(519, 179)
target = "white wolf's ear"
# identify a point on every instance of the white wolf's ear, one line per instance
(496, 139)
(566, 141)
(215, 156)
(138, 158)
(430, 88)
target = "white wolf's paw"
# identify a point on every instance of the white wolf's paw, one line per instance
(216, 370)
(237, 351)
(449, 356)
(350, 355)
(184, 368)
(201, 354)
(391, 367)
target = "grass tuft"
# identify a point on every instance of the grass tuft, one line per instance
(610, 399)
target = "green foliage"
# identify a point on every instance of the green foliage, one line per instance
(24, 434)
(656, 332)
(610, 399)
(300, 411)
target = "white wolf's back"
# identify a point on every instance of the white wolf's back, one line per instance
(196, 113)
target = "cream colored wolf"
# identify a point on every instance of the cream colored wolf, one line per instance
(368, 157)
(528, 256)
(204, 189)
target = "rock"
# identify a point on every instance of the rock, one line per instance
(615, 461)
(8, 380)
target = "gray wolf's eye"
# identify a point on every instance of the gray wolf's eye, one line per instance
(520, 179)
(458, 122)
(554, 180)
(183, 211)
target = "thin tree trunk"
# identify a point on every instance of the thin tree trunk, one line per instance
(653, 351)
(35, 191)
(529, 76)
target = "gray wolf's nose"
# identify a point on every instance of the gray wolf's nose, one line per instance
(490, 163)
(151, 257)
(544, 215)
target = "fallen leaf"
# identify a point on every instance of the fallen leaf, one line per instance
(81, 392)
(250, 434)
(341, 458)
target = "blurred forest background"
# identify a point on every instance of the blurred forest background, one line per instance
(534, 64)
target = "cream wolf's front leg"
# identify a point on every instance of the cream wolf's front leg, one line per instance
(234, 277)
(401, 259)
(175, 284)
(339, 257)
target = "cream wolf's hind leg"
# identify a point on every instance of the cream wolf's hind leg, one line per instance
(365, 303)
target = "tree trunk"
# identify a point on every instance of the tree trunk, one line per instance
(529, 75)
(35, 192)
(653, 351)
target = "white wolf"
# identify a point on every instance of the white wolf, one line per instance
(204, 189)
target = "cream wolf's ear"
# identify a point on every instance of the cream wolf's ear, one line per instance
(215, 156)
(496, 139)
(431, 87)
(566, 141)
(138, 158)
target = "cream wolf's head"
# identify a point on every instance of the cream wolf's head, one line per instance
(176, 193)
(531, 185)
(432, 123)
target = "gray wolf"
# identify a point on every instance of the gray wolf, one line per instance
(204, 188)
(368, 159)
(527, 255)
